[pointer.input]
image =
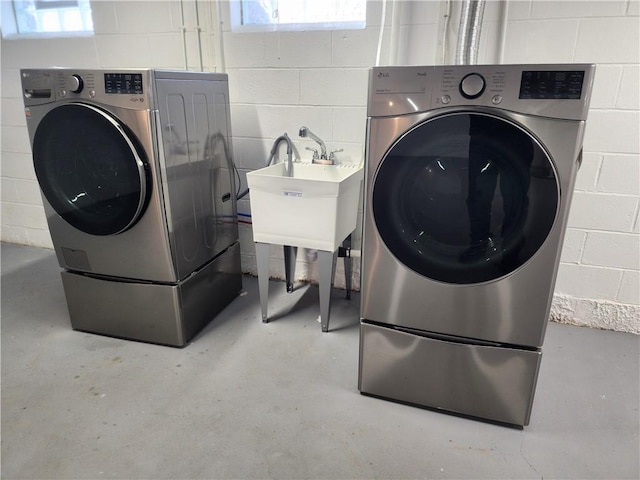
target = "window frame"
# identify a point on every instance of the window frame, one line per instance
(11, 31)
(235, 10)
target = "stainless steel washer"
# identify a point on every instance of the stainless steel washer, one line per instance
(469, 177)
(136, 175)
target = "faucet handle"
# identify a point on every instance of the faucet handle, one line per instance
(315, 152)
(332, 157)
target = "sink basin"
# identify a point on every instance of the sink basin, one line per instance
(315, 208)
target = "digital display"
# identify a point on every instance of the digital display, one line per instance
(123, 83)
(551, 85)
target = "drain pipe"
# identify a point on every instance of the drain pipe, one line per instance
(471, 15)
(198, 30)
(183, 31)
(219, 46)
(502, 39)
(396, 14)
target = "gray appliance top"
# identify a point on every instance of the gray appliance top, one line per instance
(126, 87)
(552, 90)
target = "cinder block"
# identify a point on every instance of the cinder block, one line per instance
(629, 291)
(308, 49)
(122, 51)
(17, 165)
(268, 86)
(165, 51)
(15, 139)
(596, 211)
(271, 121)
(11, 82)
(588, 282)
(13, 112)
(9, 192)
(150, 16)
(620, 174)
(595, 42)
(11, 234)
(616, 250)
(38, 53)
(520, 10)
(39, 238)
(28, 192)
(573, 246)
(629, 94)
(612, 131)
(554, 41)
(577, 9)
(354, 48)
(105, 20)
(589, 170)
(21, 215)
(253, 153)
(344, 87)
(418, 46)
(349, 124)
(246, 239)
(246, 50)
(248, 264)
(605, 86)
(419, 12)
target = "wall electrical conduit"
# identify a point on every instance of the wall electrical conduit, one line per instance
(471, 14)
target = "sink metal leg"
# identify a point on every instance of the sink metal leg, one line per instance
(348, 264)
(326, 270)
(290, 254)
(262, 260)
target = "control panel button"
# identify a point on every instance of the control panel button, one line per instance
(445, 99)
(75, 83)
(472, 85)
(496, 99)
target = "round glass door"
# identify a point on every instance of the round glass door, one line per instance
(90, 169)
(465, 198)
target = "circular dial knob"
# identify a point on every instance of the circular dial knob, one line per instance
(75, 83)
(472, 85)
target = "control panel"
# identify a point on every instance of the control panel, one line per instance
(123, 83)
(549, 90)
(126, 88)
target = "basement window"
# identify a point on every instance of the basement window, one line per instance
(35, 18)
(277, 15)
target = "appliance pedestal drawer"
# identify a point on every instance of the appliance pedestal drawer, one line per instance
(481, 380)
(167, 314)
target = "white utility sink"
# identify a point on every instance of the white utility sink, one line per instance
(315, 208)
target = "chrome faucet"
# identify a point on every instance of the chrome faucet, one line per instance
(288, 166)
(322, 158)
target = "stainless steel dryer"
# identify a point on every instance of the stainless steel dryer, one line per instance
(469, 176)
(136, 175)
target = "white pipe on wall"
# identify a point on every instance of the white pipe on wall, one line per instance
(198, 30)
(502, 38)
(396, 15)
(382, 22)
(219, 53)
(183, 30)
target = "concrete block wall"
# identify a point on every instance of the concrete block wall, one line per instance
(281, 81)
(599, 280)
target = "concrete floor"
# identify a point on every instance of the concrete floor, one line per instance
(280, 400)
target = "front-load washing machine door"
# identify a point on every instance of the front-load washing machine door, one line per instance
(465, 198)
(90, 169)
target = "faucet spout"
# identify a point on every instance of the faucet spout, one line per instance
(305, 132)
(288, 166)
